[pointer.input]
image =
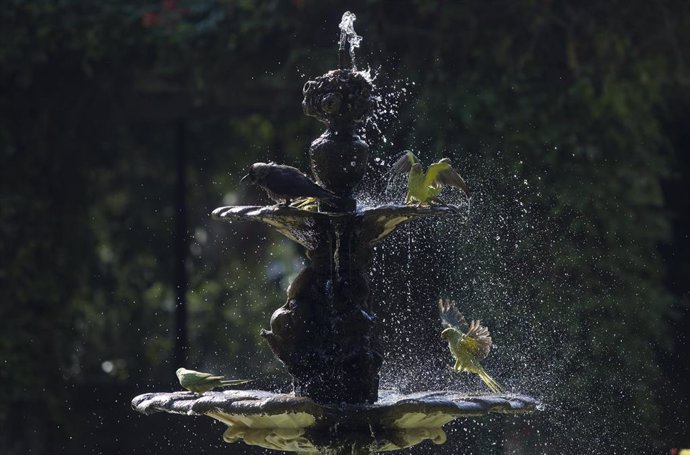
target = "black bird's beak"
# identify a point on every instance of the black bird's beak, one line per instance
(243, 179)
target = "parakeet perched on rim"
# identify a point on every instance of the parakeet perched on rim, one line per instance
(285, 183)
(198, 382)
(467, 348)
(425, 187)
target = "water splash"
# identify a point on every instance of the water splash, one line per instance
(348, 35)
(389, 96)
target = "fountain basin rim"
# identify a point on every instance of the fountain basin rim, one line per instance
(249, 211)
(431, 409)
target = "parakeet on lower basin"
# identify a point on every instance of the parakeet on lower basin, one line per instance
(467, 348)
(198, 382)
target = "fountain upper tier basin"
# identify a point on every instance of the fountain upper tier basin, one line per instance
(290, 423)
(373, 223)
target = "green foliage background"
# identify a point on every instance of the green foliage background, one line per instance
(588, 101)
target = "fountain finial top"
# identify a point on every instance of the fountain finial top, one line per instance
(340, 98)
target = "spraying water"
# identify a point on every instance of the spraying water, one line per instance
(349, 36)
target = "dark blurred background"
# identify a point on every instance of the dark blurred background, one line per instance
(124, 123)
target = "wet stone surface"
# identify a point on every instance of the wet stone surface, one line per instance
(416, 410)
(291, 423)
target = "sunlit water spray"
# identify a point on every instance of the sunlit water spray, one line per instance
(476, 255)
(498, 262)
(349, 39)
(387, 95)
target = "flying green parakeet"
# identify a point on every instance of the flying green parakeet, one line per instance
(198, 382)
(424, 187)
(467, 348)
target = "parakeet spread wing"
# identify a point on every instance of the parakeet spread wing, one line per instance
(404, 163)
(477, 340)
(467, 348)
(442, 173)
(450, 316)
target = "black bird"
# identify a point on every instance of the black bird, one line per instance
(283, 183)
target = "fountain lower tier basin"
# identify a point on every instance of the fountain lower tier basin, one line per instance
(298, 424)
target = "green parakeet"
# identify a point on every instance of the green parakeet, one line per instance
(424, 187)
(467, 348)
(198, 382)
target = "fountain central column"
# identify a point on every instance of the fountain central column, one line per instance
(341, 99)
(325, 333)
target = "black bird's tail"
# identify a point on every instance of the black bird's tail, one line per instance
(326, 194)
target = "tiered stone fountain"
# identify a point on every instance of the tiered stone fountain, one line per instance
(325, 333)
